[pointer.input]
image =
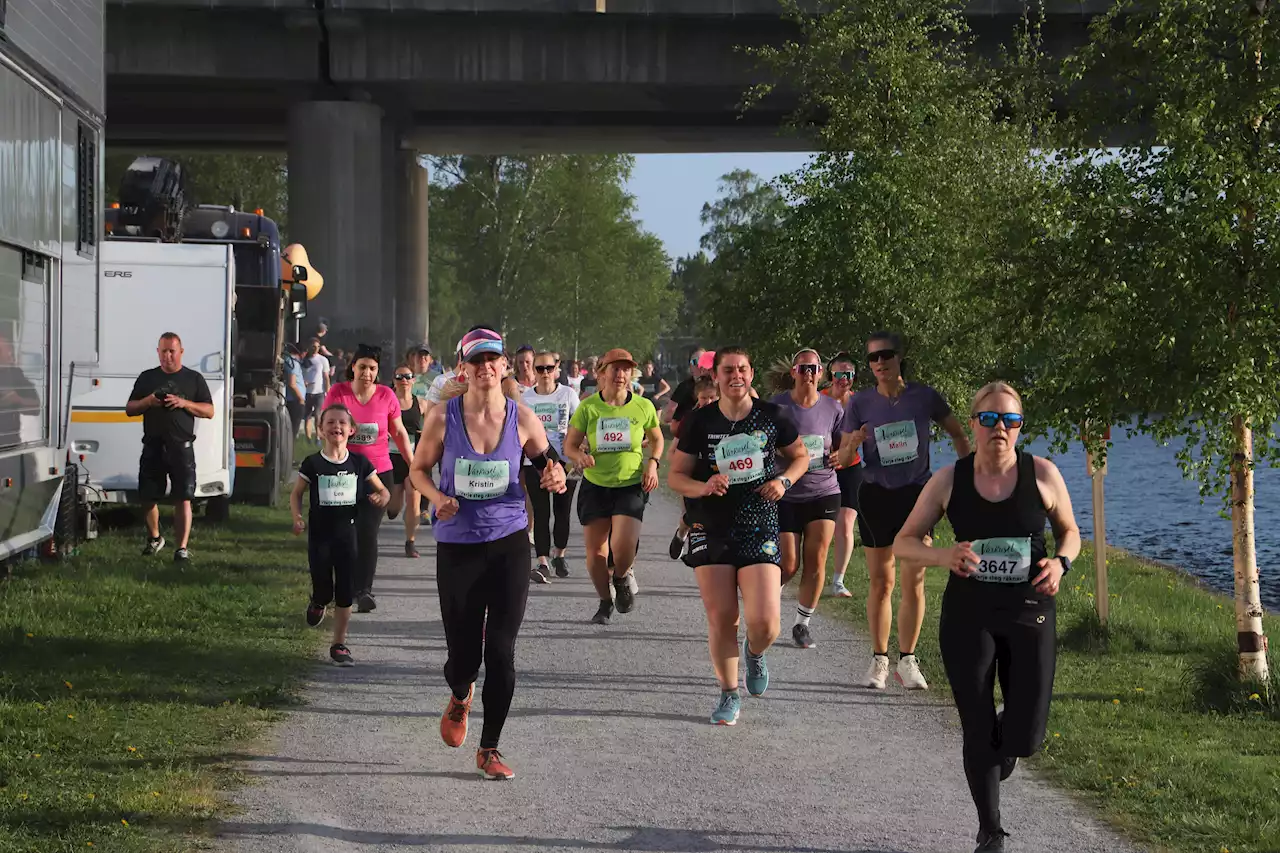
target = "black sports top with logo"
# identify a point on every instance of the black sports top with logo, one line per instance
(1007, 536)
(744, 451)
(337, 488)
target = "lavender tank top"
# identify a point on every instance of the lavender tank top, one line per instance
(487, 485)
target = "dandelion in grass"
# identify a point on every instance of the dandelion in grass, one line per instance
(1057, 734)
(124, 822)
(1115, 701)
(1139, 690)
(133, 749)
(68, 683)
(29, 636)
(71, 716)
(1254, 697)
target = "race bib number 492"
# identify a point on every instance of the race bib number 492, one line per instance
(613, 435)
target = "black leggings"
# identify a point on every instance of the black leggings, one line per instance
(368, 519)
(987, 632)
(473, 579)
(332, 557)
(543, 502)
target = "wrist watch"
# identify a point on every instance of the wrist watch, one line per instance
(1066, 563)
(786, 483)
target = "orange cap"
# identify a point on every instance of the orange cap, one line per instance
(615, 355)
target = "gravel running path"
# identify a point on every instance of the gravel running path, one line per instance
(610, 741)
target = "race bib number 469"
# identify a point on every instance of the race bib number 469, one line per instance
(1003, 560)
(740, 458)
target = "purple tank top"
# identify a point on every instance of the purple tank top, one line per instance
(490, 499)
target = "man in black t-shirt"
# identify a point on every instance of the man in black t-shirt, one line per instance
(169, 398)
(683, 399)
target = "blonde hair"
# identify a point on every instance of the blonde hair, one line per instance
(991, 389)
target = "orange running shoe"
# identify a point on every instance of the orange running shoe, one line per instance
(489, 763)
(453, 722)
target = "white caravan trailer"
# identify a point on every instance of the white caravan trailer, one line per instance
(148, 289)
(51, 118)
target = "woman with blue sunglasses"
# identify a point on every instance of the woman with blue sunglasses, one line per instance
(998, 613)
(891, 423)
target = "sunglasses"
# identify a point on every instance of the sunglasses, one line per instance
(1012, 420)
(842, 374)
(544, 368)
(404, 377)
(811, 369)
(485, 358)
(881, 355)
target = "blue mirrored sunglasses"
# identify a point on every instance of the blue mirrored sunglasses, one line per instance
(1012, 420)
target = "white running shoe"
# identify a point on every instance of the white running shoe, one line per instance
(909, 674)
(631, 582)
(839, 590)
(878, 673)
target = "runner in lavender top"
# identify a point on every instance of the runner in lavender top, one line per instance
(482, 553)
(891, 423)
(807, 512)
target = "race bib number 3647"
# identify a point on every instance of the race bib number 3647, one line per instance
(1003, 560)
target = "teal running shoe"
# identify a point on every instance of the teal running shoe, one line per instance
(726, 712)
(757, 671)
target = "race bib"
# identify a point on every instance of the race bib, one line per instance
(898, 443)
(740, 459)
(1003, 560)
(613, 435)
(817, 447)
(338, 489)
(396, 449)
(478, 480)
(549, 415)
(365, 434)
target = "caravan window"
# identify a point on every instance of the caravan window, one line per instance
(24, 346)
(86, 190)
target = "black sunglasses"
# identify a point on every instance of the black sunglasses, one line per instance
(1012, 420)
(881, 355)
(404, 377)
(544, 368)
(808, 368)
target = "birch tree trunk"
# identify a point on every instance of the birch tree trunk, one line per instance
(1251, 641)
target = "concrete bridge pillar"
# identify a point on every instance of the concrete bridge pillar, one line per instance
(336, 209)
(412, 322)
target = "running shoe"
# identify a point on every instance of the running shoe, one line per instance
(365, 602)
(182, 555)
(676, 548)
(991, 842)
(603, 613)
(491, 766)
(631, 582)
(909, 674)
(624, 598)
(538, 574)
(453, 722)
(411, 549)
(153, 546)
(726, 712)
(878, 673)
(315, 614)
(562, 569)
(757, 671)
(341, 655)
(839, 590)
(800, 633)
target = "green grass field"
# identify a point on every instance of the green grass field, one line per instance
(128, 683)
(1149, 725)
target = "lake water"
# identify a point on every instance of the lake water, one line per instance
(1154, 512)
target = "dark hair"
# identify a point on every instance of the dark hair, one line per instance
(723, 351)
(895, 342)
(843, 355)
(372, 353)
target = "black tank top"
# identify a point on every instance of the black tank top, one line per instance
(973, 517)
(412, 419)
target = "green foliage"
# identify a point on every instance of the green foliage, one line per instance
(547, 250)
(245, 181)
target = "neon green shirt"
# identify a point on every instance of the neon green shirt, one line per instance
(614, 435)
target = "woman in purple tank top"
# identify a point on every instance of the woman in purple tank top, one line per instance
(482, 553)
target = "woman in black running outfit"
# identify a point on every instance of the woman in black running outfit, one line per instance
(403, 494)
(998, 613)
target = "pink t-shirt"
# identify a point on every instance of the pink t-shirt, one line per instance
(373, 422)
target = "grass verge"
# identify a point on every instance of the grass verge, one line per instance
(1149, 724)
(127, 682)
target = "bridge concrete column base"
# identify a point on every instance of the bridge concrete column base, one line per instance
(336, 210)
(412, 322)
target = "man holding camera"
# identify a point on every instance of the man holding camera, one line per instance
(169, 398)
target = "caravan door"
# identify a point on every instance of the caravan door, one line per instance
(149, 289)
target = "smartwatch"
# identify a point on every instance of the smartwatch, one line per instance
(1066, 563)
(786, 483)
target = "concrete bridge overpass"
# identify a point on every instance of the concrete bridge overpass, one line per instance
(354, 89)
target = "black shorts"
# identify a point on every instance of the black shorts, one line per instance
(167, 466)
(597, 502)
(739, 549)
(882, 512)
(850, 480)
(794, 516)
(399, 470)
(315, 404)
(332, 558)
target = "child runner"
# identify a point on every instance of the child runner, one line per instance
(338, 480)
